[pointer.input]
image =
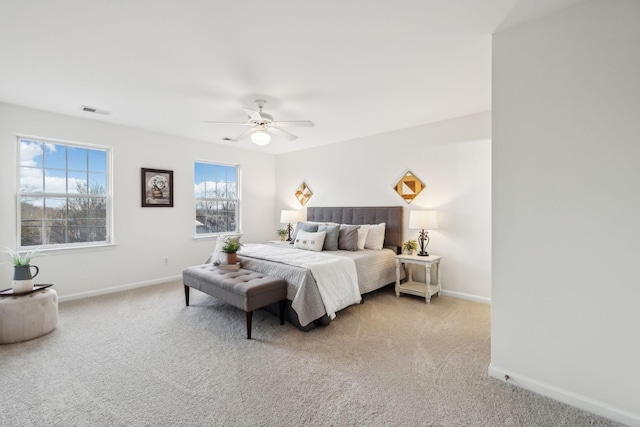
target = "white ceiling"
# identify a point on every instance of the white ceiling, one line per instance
(354, 67)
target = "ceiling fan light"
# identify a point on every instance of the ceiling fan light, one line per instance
(260, 138)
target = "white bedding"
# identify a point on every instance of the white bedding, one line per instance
(335, 275)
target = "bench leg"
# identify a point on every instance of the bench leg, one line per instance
(186, 294)
(249, 319)
(282, 311)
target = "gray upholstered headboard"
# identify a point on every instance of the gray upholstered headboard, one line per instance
(391, 215)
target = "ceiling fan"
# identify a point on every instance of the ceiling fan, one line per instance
(262, 126)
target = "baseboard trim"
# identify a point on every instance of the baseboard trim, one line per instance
(579, 401)
(120, 288)
(469, 297)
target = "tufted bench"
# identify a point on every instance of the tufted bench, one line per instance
(245, 289)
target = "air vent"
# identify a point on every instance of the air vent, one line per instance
(94, 110)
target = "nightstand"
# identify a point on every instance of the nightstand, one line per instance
(412, 287)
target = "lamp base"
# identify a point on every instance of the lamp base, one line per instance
(289, 230)
(423, 238)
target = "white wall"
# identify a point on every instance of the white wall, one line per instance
(566, 204)
(143, 236)
(453, 159)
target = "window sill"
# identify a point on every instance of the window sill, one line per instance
(74, 249)
(213, 236)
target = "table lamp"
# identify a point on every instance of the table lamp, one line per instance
(289, 217)
(423, 221)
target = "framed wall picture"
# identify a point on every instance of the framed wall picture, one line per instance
(409, 187)
(303, 194)
(157, 188)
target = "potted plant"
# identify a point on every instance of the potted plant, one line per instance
(410, 246)
(282, 233)
(22, 277)
(230, 248)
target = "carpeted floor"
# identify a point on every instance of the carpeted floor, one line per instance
(141, 358)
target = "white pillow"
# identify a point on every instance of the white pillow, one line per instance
(375, 238)
(363, 231)
(309, 241)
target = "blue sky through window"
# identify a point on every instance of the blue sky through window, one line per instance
(215, 181)
(58, 168)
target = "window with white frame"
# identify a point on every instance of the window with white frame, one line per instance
(217, 198)
(64, 196)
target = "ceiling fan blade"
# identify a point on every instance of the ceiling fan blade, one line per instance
(226, 123)
(295, 123)
(244, 134)
(281, 133)
(255, 115)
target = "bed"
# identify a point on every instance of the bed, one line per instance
(374, 268)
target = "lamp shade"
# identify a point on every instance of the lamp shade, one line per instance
(289, 216)
(423, 220)
(260, 138)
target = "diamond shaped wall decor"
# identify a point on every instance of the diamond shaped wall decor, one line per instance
(409, 187)
(303, 194)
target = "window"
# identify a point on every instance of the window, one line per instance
(64, 194)
(217, 198)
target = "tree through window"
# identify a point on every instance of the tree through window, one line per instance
(63, 193)
(216, 196)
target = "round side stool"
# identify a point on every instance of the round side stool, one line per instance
(27, 316)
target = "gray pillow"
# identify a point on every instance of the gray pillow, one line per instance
(331, 239)
(348, 237)
(305, 226)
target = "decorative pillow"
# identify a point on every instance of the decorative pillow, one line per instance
(348, 237)
(305, 226)
(375, 238)
(331, 239)
(309, 241)
(363, 231)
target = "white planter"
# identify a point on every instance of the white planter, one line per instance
(20, 286)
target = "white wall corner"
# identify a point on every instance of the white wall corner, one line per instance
(565, 396)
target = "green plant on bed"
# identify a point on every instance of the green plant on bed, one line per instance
(410, 245)
(231, 246)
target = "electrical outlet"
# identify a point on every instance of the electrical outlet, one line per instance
(165, 260)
